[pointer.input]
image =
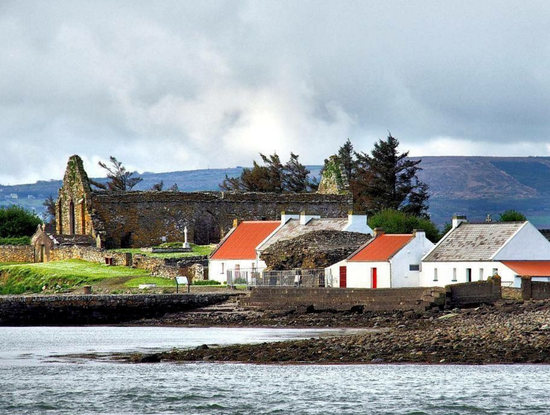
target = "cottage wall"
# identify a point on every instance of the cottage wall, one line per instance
(527, 245)
(480, 271)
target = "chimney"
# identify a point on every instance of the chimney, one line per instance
(356, 219)
(419, 233)
(285, 217)
(378, 232)
(458, 219)
(235, 223)
(304, 218)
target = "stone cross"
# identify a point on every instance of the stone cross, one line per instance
(185, 243)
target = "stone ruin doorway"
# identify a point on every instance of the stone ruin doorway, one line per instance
(207, 229)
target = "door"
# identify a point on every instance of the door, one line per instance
(343, 277)
(374, 277)
(469, 274)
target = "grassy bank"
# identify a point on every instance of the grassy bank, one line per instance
(58, 276)
(197, 250)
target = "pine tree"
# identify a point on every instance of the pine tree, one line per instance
(121, 180)
(388, 180)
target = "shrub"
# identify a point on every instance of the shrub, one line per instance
(206, 282)
(24, 240)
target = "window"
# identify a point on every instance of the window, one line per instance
(454, 274)
(469, 274)
(495, 271)
(223, 268)
(435, 274)
(414, 267)
(481, 274)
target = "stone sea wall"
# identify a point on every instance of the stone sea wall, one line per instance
(342, 299)
(96, 309)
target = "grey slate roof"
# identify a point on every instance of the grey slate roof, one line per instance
(473, 242)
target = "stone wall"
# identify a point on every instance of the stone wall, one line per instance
(534, 290)
(343, 299)
(474, 293)
(16, 253)
(139, 219)
(96, 309)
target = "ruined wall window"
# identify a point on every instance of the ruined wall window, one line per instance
(60, 216)
(454, 274)
(83, 217)
(414, 267)
(435, 274)
(71, 218)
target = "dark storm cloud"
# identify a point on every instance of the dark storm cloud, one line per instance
(176, 85)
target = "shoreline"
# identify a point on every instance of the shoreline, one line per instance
(511, 332)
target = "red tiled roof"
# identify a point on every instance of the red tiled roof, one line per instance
(529, 268)
(381, 248)
(242, 243)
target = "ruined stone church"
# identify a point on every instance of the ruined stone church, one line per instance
(147, 218)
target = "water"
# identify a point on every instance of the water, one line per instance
(32, 382)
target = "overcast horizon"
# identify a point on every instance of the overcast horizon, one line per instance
(168, 86)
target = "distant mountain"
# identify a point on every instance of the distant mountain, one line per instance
(474, 186)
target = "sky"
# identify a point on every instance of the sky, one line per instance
(180, 85)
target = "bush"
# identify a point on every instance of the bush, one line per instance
(206, 282)
(16, 222)
(24, 240)
(395, 221)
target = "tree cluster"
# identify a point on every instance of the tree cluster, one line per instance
(16, 222)
(272, 176)
(384, 179)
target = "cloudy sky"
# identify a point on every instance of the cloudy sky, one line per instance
(178, 85)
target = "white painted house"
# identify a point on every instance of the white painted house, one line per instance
(387, 261)
(475, 251)
(238, 254)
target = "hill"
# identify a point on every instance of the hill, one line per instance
(474, 186)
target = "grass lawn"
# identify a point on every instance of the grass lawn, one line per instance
(58, 275)
(197, 250)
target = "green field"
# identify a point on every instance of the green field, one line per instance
(59, 276)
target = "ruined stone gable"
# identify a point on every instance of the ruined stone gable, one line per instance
(139, 219)
(72, 210)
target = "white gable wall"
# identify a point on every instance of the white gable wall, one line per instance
(411, 254)
(528, 244)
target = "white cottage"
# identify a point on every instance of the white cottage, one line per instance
(236, 253)
(475, 251)
(387, 261)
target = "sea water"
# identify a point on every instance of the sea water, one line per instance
(35, 379)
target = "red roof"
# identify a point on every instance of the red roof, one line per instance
(242, 242)
(529, 268)
(381, 248)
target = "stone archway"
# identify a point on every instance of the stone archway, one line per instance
(207, 229)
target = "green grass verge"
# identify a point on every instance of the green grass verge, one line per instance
(197, 250)
(58, 275)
